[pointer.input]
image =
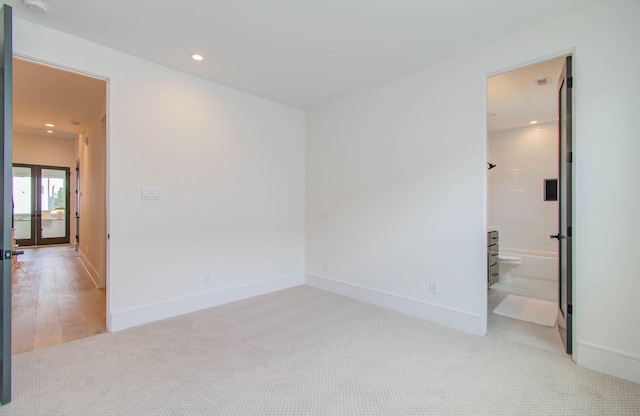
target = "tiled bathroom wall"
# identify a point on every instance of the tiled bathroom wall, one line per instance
(525, 157)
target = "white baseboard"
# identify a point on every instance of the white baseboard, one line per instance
(454, 318)
(608, 361)
(150, 313)
(93, 273)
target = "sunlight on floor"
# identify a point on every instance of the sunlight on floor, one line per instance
(53, 300)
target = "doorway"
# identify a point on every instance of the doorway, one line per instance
(523, 207)
(41, 205)
(59, 293)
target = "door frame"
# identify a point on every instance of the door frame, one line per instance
(485, 204)
(107, 156)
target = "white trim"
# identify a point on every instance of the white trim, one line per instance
(91, 271)
(451, 317)
(150, 313)
(484, 287)
(609, 361)
(59, 66)
(558, 54)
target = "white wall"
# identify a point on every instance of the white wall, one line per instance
(524, 158)
(230, 170)
(400, 169)
(397, 170)
(91, 154)
(33, 149)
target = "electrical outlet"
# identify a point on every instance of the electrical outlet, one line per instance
(207, 278)
(326, 216)
(325, 266)
(433, 287)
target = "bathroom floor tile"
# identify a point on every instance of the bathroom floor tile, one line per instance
(520, 331)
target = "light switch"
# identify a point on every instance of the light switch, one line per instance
(150, 193)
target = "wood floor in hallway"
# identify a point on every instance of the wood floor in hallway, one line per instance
(53, 300)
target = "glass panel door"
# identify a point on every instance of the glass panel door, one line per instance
(53, 205)
(24, 204)
(40, 204)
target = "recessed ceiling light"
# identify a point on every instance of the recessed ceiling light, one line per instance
(75, 123)
(533, 122)
(49, 131)
(197, 57)
(50, 125)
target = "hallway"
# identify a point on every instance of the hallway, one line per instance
(53, 300)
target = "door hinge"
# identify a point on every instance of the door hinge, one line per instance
(570, 309)
(570, 82)
(570, 157)
(569, 231)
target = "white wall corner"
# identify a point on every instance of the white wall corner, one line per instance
(608, 361)
(150, 313)
(450, 317)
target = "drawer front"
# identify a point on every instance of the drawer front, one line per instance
(492, 238)
(493, 252)
(494, 274)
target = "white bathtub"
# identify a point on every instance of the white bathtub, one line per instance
(538, 264)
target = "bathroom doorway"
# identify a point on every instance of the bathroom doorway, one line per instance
(522, 204)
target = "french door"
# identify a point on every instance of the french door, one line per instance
(40, 204)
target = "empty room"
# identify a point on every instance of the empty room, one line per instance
(297, 212)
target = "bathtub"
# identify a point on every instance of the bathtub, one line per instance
(537, 264)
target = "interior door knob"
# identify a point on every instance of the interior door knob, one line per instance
(556, 236)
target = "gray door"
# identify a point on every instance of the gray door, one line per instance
(564, 236)
(5, 189)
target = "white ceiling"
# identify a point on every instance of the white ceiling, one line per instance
(296, 52)
(46, 95)
(514, 98)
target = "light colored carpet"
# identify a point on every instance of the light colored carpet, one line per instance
(537, 311)
(303, 351)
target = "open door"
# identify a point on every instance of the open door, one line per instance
(565, 290)
(6, 157)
